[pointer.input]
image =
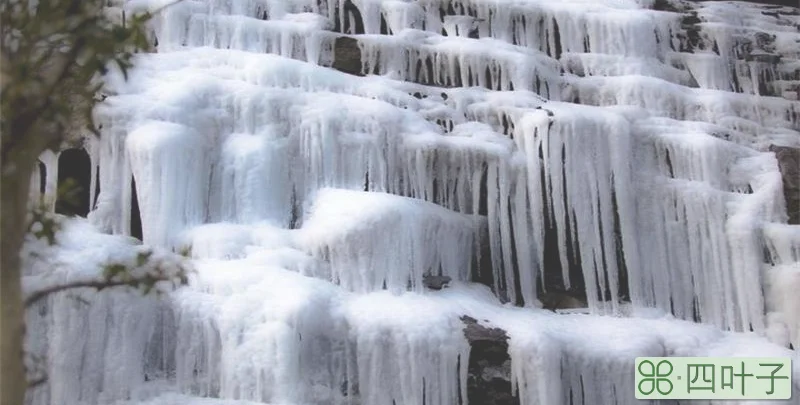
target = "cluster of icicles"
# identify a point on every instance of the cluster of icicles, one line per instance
(312, 199)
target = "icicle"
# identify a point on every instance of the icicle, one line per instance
(112, 209)
(346, 228)
(581, 193)
(401, 15)
(161, 154)
(50, 161)
(370, 14)
(255, 185)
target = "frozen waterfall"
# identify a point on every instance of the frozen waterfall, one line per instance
(321, 161)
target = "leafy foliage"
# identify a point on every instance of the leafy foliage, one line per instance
(142, 268)
(147, 273)
(44, 224)
(54, 55)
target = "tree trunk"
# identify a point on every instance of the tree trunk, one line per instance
(15, 183)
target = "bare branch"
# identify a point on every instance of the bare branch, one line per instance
(97, 284)
(37, 382)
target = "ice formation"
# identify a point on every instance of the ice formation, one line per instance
(375, 240)
(319, 159)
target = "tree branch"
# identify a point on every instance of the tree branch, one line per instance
(24, 123)
(37, 382)
(97, 284)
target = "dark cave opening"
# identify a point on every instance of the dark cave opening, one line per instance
(74, 182)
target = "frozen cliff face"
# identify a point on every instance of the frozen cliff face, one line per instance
(321, 159)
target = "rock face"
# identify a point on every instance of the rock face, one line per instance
(347, 56)
(553, 300)
(489, 370)
(785, 3)
(789, 164)
(436, 282)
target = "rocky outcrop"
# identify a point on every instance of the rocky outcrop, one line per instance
(789, 164)
(489, 369)
(553, 300)
(347, 56)
(435, 282)
(754, 50)
(787, 3)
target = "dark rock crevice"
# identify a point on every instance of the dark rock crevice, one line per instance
(136, 219)
(489, 369)
(789, 165)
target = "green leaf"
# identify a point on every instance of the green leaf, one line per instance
(142, 258)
